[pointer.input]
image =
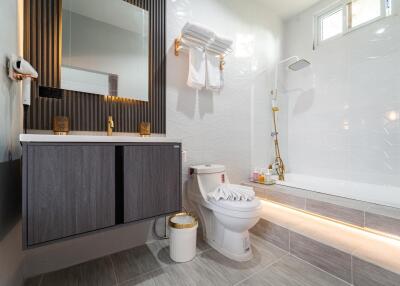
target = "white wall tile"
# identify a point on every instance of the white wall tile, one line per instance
(338, 125)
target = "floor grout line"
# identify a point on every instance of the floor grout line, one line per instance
(259, 271)
(330, 274)
(41, 279)
(143, 274)
(113, 268)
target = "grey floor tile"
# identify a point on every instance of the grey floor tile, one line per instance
(134, 262)
(191, 273)
(98, 272)
(337, 212)
(327, 258)
(272, 233)
(367, 274)
(35, 281)
(66, 277)
(264, 254)
(290, 271)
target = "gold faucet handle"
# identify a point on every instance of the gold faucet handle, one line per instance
(111, 122)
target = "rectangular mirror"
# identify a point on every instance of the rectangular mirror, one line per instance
(105, 48)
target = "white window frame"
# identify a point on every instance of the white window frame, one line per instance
(343, 5)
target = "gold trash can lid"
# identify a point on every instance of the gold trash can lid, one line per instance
(182, 221)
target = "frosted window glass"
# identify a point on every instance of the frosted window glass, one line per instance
(332, 25)
(362, 11)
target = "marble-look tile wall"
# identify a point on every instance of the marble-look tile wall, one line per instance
(342, 114)
(231, 127)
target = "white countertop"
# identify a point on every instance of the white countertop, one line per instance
(46, 138)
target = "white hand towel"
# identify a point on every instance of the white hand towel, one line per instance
(214, 80)
(229, 192)
(197, 68)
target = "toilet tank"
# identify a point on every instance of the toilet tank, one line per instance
(206, 178)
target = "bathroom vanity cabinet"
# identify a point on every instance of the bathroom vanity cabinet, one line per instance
(75, 188)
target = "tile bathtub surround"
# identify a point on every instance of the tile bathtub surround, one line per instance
(385, 219)
(327, 258)
(330, 246)
(273, 233)
(367, 274)
(149, 265)
(362, 214)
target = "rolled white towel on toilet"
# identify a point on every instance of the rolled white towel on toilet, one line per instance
(230, 192)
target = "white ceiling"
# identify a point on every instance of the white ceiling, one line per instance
(288, 8)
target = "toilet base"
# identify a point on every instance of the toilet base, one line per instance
(237, 248)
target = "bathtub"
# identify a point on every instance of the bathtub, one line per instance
(378, 194)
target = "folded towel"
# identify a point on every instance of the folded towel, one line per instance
(214, 80)
(197, 68)
(224, 42)
(197, 29)
(198, 37)
(221, 44)
(231, 192)
(193, 42)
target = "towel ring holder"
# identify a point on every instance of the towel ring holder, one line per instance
(179, 46)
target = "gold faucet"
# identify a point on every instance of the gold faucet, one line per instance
(110, 126)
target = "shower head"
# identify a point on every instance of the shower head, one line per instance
(299, 65)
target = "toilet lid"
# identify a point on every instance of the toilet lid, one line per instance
(238, 205)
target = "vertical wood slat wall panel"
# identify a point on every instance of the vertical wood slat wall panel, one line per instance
(89, 112)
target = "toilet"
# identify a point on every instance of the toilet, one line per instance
(225, 224)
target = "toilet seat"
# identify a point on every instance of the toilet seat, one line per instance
(244, 206)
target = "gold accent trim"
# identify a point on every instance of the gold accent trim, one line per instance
(183, 225)
(60, 133)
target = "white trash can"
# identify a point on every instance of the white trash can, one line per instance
(182, 237)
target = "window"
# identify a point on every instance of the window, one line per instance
(332, 25)
(363, 11)
(348, 15)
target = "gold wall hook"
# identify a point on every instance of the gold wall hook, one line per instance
(222, 63)
(177, 46)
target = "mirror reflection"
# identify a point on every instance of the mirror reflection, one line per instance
(105, 47)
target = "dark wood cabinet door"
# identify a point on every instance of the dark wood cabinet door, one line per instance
(71, 190)
(152, 181)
